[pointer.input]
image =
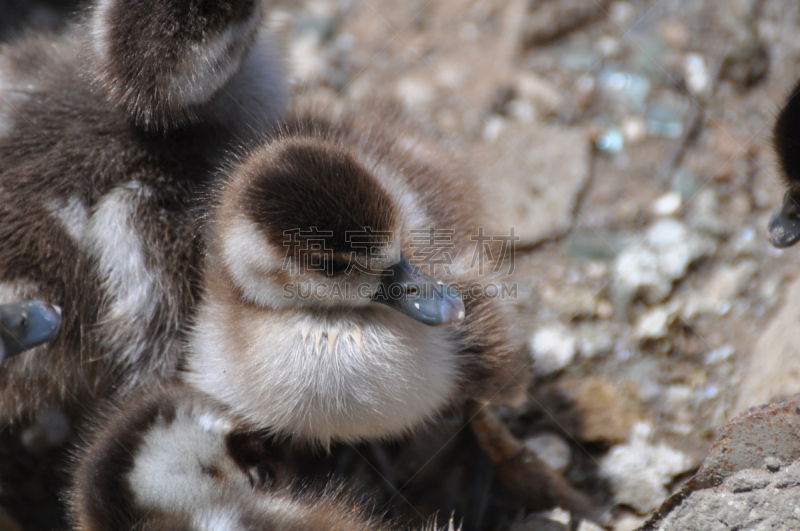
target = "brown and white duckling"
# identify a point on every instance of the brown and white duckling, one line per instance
(784, 227)
(105, 132)
(175, 459)
(315, 321)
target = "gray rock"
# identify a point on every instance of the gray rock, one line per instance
(649, 265)
(774, 370)
(551, 449)
(750, 499)
(640, 470)
(533, 179)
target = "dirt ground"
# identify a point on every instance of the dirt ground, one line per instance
(627, 143)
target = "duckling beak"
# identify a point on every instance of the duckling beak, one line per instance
(428, 300)
(784, 226)
(25, 325)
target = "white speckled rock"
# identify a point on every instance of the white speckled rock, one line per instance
(639, 470)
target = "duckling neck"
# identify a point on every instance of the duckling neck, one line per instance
(323, 376)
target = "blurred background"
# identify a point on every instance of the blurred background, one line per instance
(628, 144)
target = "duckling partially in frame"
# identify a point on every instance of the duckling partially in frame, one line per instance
(105, 133)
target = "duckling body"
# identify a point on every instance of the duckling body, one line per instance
(105, 133)
(175, 459)
(310, 351)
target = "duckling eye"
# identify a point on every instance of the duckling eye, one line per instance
(260, 477)
(334, 266)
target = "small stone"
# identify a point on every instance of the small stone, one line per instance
(621, 12)
(553, 349)
(307, 62)
(604, 416)
(595, 340)
(415, 92)
(558, 515)
(675, 33)
(494, 126)
(628, 88)
(649, 265)
(586, 525)
(664, 122)
(772, 463)
(655, 323)
(746, 243)
(667, 204)
(605, 310)
(634, 129)
(719, 355)
(748, 480)
(551, 449)
(725, 284)
(569, 302)
(541, 92)
(629, 523)
(611, 141)
(695, 72)
(640, 470)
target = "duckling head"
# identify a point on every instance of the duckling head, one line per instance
(307, 225)
(169, 63)
(314, 324)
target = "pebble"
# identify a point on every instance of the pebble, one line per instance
(772, 463)
(541, 92)
(552, 449)
(628, 523)
(640, 470)
(553, 349)
(571, 302)
(611, 141)
(604, 416)
(625, 87)
(634, 129)
(586, 525)
(664, 122)
(668, 204)
(719, 355)
(415, 93)
(695, 72)
(717, 293)
(650, 264)
(594, 339)
(655, 323)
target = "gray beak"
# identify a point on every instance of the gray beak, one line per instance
(784, 226)
(25, 325)
(428, 300)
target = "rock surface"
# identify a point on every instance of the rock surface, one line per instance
(774, 368)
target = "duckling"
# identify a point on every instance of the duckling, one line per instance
(105, 133)
(324, 316)
(784, 226)
(25, 325)
(176, 459)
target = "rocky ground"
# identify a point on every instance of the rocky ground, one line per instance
(627, 143)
